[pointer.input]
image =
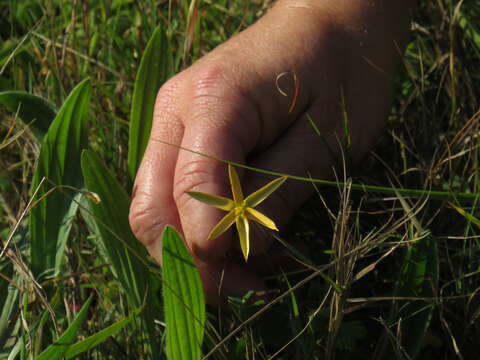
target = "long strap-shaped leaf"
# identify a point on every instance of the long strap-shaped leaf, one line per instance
(127, 256)
(50, 219)
(154, 70)
(183, 300)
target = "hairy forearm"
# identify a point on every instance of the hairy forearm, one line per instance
(365, 40)
(344, 54)
(393, 12)
(383, 24)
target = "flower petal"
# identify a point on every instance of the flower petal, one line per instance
(261, 194)
(260, 218)
(222, 225)
(243, 235)
(235, 183)
(219, 202)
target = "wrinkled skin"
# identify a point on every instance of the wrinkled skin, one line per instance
(232, 104)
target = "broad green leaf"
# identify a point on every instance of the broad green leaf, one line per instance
(96, 339)
(59, 348)
(126, 254)
(59, 159)
(183, 300)
(34, 110)
(153, 71)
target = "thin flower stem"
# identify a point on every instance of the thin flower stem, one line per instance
(463, 198)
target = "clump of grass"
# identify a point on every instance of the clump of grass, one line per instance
(380, 267)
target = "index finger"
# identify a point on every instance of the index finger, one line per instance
(153, 205)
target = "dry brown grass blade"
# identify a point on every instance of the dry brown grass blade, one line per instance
(193, 18)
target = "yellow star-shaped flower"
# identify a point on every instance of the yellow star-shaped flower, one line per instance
(240, 209)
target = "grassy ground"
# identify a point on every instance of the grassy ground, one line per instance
(407, 269)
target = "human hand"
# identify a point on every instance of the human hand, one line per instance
(231, 104)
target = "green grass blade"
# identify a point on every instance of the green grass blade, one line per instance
(34, 110)
(417, 279)
(6, 269)
(471, 30)
(58, 349)
(17, 348)
(153, 71)
(183, 299)
(96, 339)
(8, 305)
(466, 215)
(50, 220)
(127, 256)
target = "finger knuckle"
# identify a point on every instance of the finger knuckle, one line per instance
(190, 177)
(167, 94)
(171, 87)
(144, 226)
(210, 78)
